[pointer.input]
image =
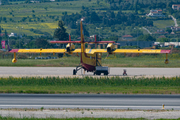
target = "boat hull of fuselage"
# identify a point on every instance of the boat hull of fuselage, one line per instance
(89, 68)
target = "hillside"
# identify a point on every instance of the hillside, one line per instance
(107, 18)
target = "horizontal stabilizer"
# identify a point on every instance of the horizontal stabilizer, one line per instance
(98, 42)
(65, 41)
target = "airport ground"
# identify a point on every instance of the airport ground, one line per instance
(66, 73)
(60, 80)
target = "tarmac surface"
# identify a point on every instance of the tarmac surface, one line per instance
(91, 106)
(90, 101)
(68, 71)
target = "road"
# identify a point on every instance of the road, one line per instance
(67, 71)
(147, 30)
(89, 101)
(174, 19)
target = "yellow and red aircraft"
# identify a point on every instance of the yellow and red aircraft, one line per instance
(90, 59)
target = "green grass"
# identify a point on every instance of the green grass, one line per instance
(89, 85)
(119, 61)
(163, 23)
(53, 9)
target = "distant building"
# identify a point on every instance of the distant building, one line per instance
(162, 36)
(13, 35)
(175, 28)
(155, 13)
(176, 44)
(2, 34)
(176, 6)
(127, 37)
(161, 32)
(33, 1)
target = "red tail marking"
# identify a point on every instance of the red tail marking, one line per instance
(95, 38)
(69, 37)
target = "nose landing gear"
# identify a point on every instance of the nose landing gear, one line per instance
(124, 72)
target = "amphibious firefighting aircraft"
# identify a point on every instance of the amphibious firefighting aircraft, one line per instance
(90, 59)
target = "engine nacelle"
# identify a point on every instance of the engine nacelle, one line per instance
(110, 48)
(70, 47)
(14, 60)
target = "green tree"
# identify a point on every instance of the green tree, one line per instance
(6, 34)
(97, 2)
(60, 32)
(146, 38)
(42, 43)
(4, 2)
(0, 34)
(168, 30)
(27, 1)
(162, 40)
(46, 8)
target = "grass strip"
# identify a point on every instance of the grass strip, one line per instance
(102, 85)
(118, 61)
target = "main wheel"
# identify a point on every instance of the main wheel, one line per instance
(105, 73)
(74, 72)
(98, 73)
(166, 61)
(124, 74)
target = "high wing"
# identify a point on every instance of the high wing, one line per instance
(92, 51)
(44, 50)
(38, 50)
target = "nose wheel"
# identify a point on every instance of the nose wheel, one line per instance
(124, 72)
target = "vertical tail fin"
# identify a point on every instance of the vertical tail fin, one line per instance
(69, 37)
(95, 37)
(82, 40)
(95, 42)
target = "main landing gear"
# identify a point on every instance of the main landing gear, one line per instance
(77, 68)
(166, 60)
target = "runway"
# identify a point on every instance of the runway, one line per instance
(67, 71)
(89, 101)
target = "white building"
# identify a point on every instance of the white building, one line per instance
(176, 7)
(13, 35)
(155, 13)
